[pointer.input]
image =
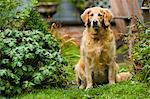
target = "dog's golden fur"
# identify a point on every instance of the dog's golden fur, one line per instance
(97, 63)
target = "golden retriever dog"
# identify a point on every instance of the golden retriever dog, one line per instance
(97, 64)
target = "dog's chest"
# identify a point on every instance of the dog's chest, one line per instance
(94, 49)
(98, 51)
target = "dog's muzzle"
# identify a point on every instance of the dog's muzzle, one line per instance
(96, 24)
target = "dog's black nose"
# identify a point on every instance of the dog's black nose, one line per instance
(95, 23)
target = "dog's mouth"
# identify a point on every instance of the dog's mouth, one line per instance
(96, 31)
(96, 27)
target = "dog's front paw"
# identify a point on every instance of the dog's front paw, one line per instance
(81, 86)
(89, 86)
(111, 82)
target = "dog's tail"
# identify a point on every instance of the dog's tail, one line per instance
(123, 76)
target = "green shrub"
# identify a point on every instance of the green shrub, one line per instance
(14, 12)
(7, 12)
(141, 51)
(35, 22)
(29, 59)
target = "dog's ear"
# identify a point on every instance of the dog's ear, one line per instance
(107, 17)
(85, 16)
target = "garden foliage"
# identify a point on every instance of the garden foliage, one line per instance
(7, 11)
(34, 22)
(29, 55)
(29, 59)
(141, 51)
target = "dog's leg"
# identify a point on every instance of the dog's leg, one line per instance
(82, 79)
(78, 80)
(89, 80)
(112, 72)
(83, 85)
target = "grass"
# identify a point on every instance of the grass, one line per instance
(124, 90)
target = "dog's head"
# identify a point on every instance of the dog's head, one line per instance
(96, 17)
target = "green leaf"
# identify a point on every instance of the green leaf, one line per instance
(24, 68)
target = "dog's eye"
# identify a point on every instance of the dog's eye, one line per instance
(99, 14)
(91, 14)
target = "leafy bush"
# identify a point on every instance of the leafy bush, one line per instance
(29, 59)
(14, 12)
(7, 11)
(141, 51)
(29, 54)
(35, 22)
